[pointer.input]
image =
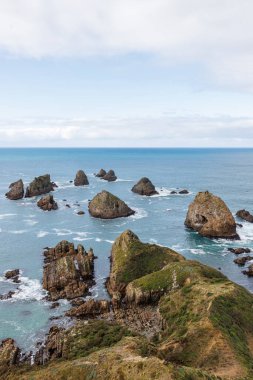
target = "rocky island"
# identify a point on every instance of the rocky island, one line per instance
(144, 187)
(16, 190)
(39, 186)
(81, 179)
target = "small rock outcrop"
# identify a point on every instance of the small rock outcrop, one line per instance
(16, 190)
(39, 186)
(144, 187)
(242, 260)
(47, 203)
(81, 179)
(239, 251)
(68, 272)
(90, 308)
(107, 206)
(101, 173)
(244, 214)
(110, 176)
(9, 355)
(249, 271)
(12, 275)
(210, 217)
(184, 191)
(80, 212)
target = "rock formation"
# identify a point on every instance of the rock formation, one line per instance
(68, 272)
(81, 179)
(249, 271)
(47, 203)
(238, 251)
(90, 308)
(40, 185)
(110, 176)
(107, 206)
(184, 191)
(101, 173)
(12, 275)
(16, 190)
(9, 355)
(210, 216)
(242, 260)
(144, 187)
(243, 214)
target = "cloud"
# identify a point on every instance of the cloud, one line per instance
(164, 131)
(214, 33)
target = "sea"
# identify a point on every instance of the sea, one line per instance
(25, 230)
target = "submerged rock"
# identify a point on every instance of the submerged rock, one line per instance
(68, 272)
(80, 212)
(7, 295)
(47, 203)
(107, 206)
(90, 308)
(40, 185)
(209, 215)
(81, 179)
(101, 173)
(110, 176)
(184, 191)
(244, 214)
(238, 251)
(16, 190)
(144, 187)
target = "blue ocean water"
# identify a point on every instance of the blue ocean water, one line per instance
(25, 229)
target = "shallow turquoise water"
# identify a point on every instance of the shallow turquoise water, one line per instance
(25, 229)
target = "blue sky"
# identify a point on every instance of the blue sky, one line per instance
(128, 73)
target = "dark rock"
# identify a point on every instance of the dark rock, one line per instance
(107, 206)
(7, 296)
(40, 185)
(249, 271)
(64, 200)
(67, 205)
(101, 173)
(243, 214)
(81, 179)
(239, 225)
(210, 216)
(90, 308)
(173, 192)
(12, 274)
(80, 213)
(47, 203)
(16, 190)
(144, 187)
(54, 184)
(54, 305)
(183, 191)
(68, 272)
(110, 176)
(238, 251)
(242, 260)
(71, 181)
(77, 302)
(54, 317)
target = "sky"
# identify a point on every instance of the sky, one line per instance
(132, 73)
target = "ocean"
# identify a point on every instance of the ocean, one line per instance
(25, 229)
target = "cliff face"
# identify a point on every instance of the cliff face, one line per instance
(209, 215)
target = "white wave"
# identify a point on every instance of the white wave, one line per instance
(165, 192)
(98, 239)
(30, 222)
(109, 241)
(18, 232)
(123, 180)
(246, 232)
(4, 216)
(197, 251)
(29, 290)
(62, 232)
(139, 213)
(81, 239)
(153, 241)
(41, 234)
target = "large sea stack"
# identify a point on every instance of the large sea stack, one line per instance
(144, 187)
(68, 272)
(40, 185)
(81, 179)
(107, 206)
(16, 190)
(209, 215)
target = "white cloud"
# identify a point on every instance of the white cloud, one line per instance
(214, 33)
(167, 131)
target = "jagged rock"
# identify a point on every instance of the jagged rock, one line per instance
(53, 346)
(9, 354)
(47, 203)
(242, 260)
(131, 259)
(7, 296)
(16, 190)
(184, 191)
(249, 271)
(144, 187)
(81, 179)
(210, 216)
(77, 302)
(54, 305)
(68, 272)
(80, 213)
(110, 176)
(40, 185)
(101, 173)
(243, 214)
(107, 206)
(238, 251)
(12, 275)
(90, 308)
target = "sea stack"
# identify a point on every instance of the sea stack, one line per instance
(144, 187)
(81, 179)
(245, 215)
(107, 206)
(209, 215)
(47, 203)
(110, 176)
(101, 173)
(16, 190)
(40, 185)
